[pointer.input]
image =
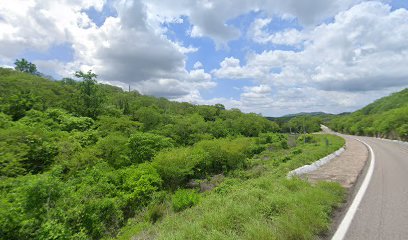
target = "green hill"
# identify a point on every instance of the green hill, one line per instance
(78, 158)
(82, 160)
(386, 117)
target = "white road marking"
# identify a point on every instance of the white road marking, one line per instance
(345, 223)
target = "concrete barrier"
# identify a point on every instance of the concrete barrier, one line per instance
(315, 165)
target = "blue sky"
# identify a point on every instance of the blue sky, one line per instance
(266, 56)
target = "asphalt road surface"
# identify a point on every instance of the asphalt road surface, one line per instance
(383, 210)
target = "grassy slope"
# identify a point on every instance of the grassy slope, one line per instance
(258, 203)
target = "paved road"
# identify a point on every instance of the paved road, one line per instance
(383, 211)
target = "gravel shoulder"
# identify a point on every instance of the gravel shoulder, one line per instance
(344, 169)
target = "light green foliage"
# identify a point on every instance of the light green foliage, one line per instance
(143, 146)
(93, 204)
(114, 149)
(176, 166)
(73, 170)
(224, 154)
(5, 121)
(24, 149)
(274, 140)
(386, 117)
(184, 198)
(149, 116)
(140, 183)
(123, 125)
(262, 206)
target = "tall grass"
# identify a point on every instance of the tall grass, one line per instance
(264, 205)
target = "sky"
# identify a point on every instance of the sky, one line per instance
(272, 57)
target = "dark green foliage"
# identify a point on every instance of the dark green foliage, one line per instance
(17, 105)
(302, 124)
(184, 198)
(90, 98)
(23, 65)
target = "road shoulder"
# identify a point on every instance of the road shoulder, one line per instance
(348, 170)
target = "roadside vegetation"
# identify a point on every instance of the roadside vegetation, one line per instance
(386, 117)
(82, 160)
(255, 202)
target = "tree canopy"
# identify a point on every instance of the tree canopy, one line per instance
(23, 65)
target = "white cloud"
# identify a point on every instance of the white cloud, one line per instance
(287, 37)
(363, 49)
(360, 56)
(197, 65)
(128, 49)
(209, 18)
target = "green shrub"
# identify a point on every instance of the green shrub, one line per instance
(225, 154)
(139, 184)
(177, 165)
(114, 149)
(143, 146)
(184, 198)
(270, 138)
(306, 138)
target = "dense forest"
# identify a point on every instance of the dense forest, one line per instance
(387, 117)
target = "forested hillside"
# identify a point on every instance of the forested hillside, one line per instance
(77, 158)
(387, 117)
(301, 122)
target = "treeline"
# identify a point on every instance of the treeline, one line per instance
(78, 158)
(386, 117)
(300, 124)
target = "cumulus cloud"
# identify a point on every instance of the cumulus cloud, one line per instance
(127, 49)
(209, 18)
(363, 50)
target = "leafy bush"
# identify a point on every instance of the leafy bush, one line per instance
(224, 154)
(184, 198)
(114, 149)
(143, 146)
(306, 138)
(177, 165)
(123, 125)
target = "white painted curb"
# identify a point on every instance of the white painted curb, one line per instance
(345, 223)
(314, 166)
